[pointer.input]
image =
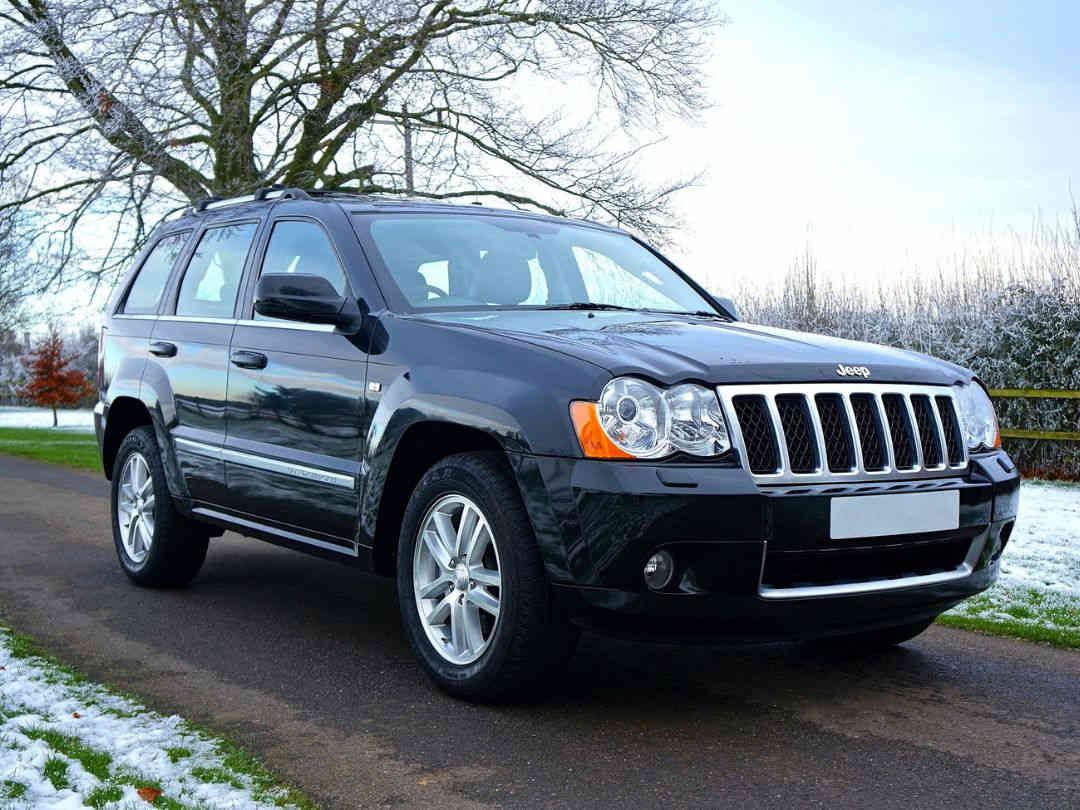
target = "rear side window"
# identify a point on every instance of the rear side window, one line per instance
(145, 294)
(213, 275)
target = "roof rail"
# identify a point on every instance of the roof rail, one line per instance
(277, 191)
(282, 191)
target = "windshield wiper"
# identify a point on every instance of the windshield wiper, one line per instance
(701, 313)
(588, 305)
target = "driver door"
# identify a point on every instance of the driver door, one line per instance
(296, 394)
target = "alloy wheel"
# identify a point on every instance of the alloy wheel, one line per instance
(457, 580)
(135, 508)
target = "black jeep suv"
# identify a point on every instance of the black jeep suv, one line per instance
(535, 425)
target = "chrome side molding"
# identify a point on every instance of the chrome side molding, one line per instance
(264, 463)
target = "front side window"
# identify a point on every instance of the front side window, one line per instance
(213, 275)
(297, 246)
(474, 261)
(145, 293)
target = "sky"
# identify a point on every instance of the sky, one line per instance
(883, 137)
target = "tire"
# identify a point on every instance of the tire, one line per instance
(156, 545)
(509, 655)
(878, 639)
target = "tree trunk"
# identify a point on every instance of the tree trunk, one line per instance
(55, 423)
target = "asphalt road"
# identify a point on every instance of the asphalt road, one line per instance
(303, 661)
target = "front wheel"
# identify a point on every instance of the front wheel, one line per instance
(156, 545)
(474, 596)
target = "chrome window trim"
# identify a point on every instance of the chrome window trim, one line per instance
(784, 475)
(304, 327)
(269, 464)
(965, 569)
(196, 319)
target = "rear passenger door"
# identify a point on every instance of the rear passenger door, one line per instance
(189, 353)
(127, 335)
(296, 393)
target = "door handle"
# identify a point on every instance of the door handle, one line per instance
(162, 348)
(248, 359)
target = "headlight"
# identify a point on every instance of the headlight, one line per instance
(977, 417)
(635, 419)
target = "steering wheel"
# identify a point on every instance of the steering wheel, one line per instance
(438, 293)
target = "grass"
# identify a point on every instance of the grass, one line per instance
(101, 796)
(12, 789)
(177, 754)
(265, 786)
(94, 761)
(1025, 613)
(235, 762)
(78, 450)
(56, 772)
(221, 776)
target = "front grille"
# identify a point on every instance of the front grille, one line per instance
(795, 417)
(899, 431)
(836, 432)
(954, 440)
(758, 436)
(862, 431)
(868, 418)
(929, 436)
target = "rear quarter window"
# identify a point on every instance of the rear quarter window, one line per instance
(150, 280)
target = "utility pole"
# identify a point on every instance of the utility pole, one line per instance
(409, 188)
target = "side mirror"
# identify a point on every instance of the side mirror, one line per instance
(301, 297)
(727, 305)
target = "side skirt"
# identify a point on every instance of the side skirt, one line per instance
(359, 556)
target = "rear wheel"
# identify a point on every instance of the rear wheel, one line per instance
(156, 545)
(474, 595)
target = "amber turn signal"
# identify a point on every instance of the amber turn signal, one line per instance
(594, 442)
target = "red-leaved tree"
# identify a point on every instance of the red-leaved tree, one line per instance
(52, 384)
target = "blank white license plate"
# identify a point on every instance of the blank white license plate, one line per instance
(897, 513)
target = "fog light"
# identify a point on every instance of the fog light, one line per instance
(659, 570)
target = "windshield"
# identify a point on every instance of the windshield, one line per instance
(472, 261)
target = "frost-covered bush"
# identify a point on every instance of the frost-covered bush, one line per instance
(1010, 314)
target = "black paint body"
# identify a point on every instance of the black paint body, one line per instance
(340, 403)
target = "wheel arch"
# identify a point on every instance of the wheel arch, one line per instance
(421, 445)
(124, 415)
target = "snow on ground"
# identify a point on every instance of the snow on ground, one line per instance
(68, 744)
(1044, 550)
(70, 419)
(1040, 569)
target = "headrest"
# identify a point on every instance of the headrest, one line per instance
(503, 278)
(413, 285)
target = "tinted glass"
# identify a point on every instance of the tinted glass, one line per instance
(479, 261)
(302, 247)
(145, 293)
(213, 275)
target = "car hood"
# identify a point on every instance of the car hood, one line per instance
(674, 348)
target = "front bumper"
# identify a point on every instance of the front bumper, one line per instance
(754, 563)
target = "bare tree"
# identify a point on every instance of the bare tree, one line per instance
(116, 113)
(16, 284)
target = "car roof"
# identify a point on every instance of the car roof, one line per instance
(255, 204)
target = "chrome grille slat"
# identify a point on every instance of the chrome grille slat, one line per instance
(936, 409)
(856, 438)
